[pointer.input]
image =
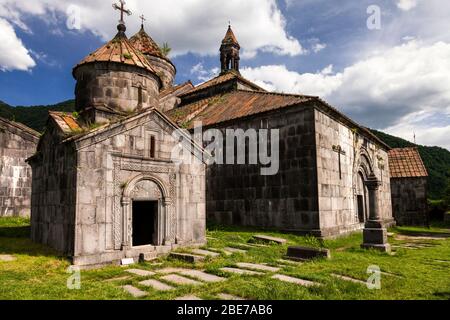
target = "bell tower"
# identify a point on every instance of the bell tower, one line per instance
(229, 52)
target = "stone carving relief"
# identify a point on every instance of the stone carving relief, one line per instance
(146, 189)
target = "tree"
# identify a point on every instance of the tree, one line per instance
(447, 194)
(166, 49)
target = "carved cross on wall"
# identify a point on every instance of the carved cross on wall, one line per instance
(340, 152)
(122, 10)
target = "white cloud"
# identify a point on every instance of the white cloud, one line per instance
(13, 54)
(195, 26)
(202, 74)
(382, 90)
(406, 5)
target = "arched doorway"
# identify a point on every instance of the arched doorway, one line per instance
(145, 207)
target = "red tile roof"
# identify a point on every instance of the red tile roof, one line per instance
(406, 163)
(66, 122)
(118, 50)
(176, 90)
(220, 79)
(232, 105)
(145, 44)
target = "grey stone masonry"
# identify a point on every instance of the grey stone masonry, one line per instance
(17, 143)
(409, 201)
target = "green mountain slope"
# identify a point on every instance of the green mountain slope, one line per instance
(437, 161)
(34, 117)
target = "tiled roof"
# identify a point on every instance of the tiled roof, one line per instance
(230, 38)
(145, 44)
(406, 163)
(232, 105)
(177, 90)
(229, 76)
(119, 50)
(66, 122)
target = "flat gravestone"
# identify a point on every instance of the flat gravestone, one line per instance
(205, 253)
(345, 278)
(301, 282)
(228, 297)
(235, 250)
(188, 298)
(289, 262)
(117, 279)
(191, 258)
(157, 285)
(203, 276)
(259, 267)
(140, 273)
(306, 253)
(240, 271)
(173, 278)
(7, 258)
(170, 270)
(135, 292)
(269, 239)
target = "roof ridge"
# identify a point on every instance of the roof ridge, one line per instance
(279, 93)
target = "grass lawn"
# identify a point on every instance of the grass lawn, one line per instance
(423, 273)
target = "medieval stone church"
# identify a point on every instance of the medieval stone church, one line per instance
(106, 186)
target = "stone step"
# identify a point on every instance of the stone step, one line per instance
(203, 276)
(140, 272)
(302, 282)
(205, 253)
(157, 285)
(228, 297)
(241, 271)
(289, 262)
(269, 239)
(191, 258)
(135, 292)
(259, 267)
(345, 278)
(179, 280)
(188, 298)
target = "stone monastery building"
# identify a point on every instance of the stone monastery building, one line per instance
(105, 186)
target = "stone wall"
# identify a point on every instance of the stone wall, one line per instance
(165, 70)
(343, 152)
(16, 145)
(54, 193)
(120, 87)
(409, 201)
(240, 195)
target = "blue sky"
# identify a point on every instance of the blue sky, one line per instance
(395, 78)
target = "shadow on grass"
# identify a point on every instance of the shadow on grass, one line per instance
(15, 232)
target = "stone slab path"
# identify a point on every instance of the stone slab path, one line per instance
(135, 292)
(289, 262)
(176, 279)
(157, 285)
(345, 278)
(203, 276)
(228, 297)
(188, 298)
(191, 258)
(268, 239)
(302, 282)
(241, 271)
(141, 273)
(7, 258)
(170, 270)
(259, 267)
(205, 253)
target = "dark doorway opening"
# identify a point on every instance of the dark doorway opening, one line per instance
(145, 215)
(361, 209)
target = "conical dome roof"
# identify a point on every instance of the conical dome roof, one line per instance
(119, 50)
(230, 38)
